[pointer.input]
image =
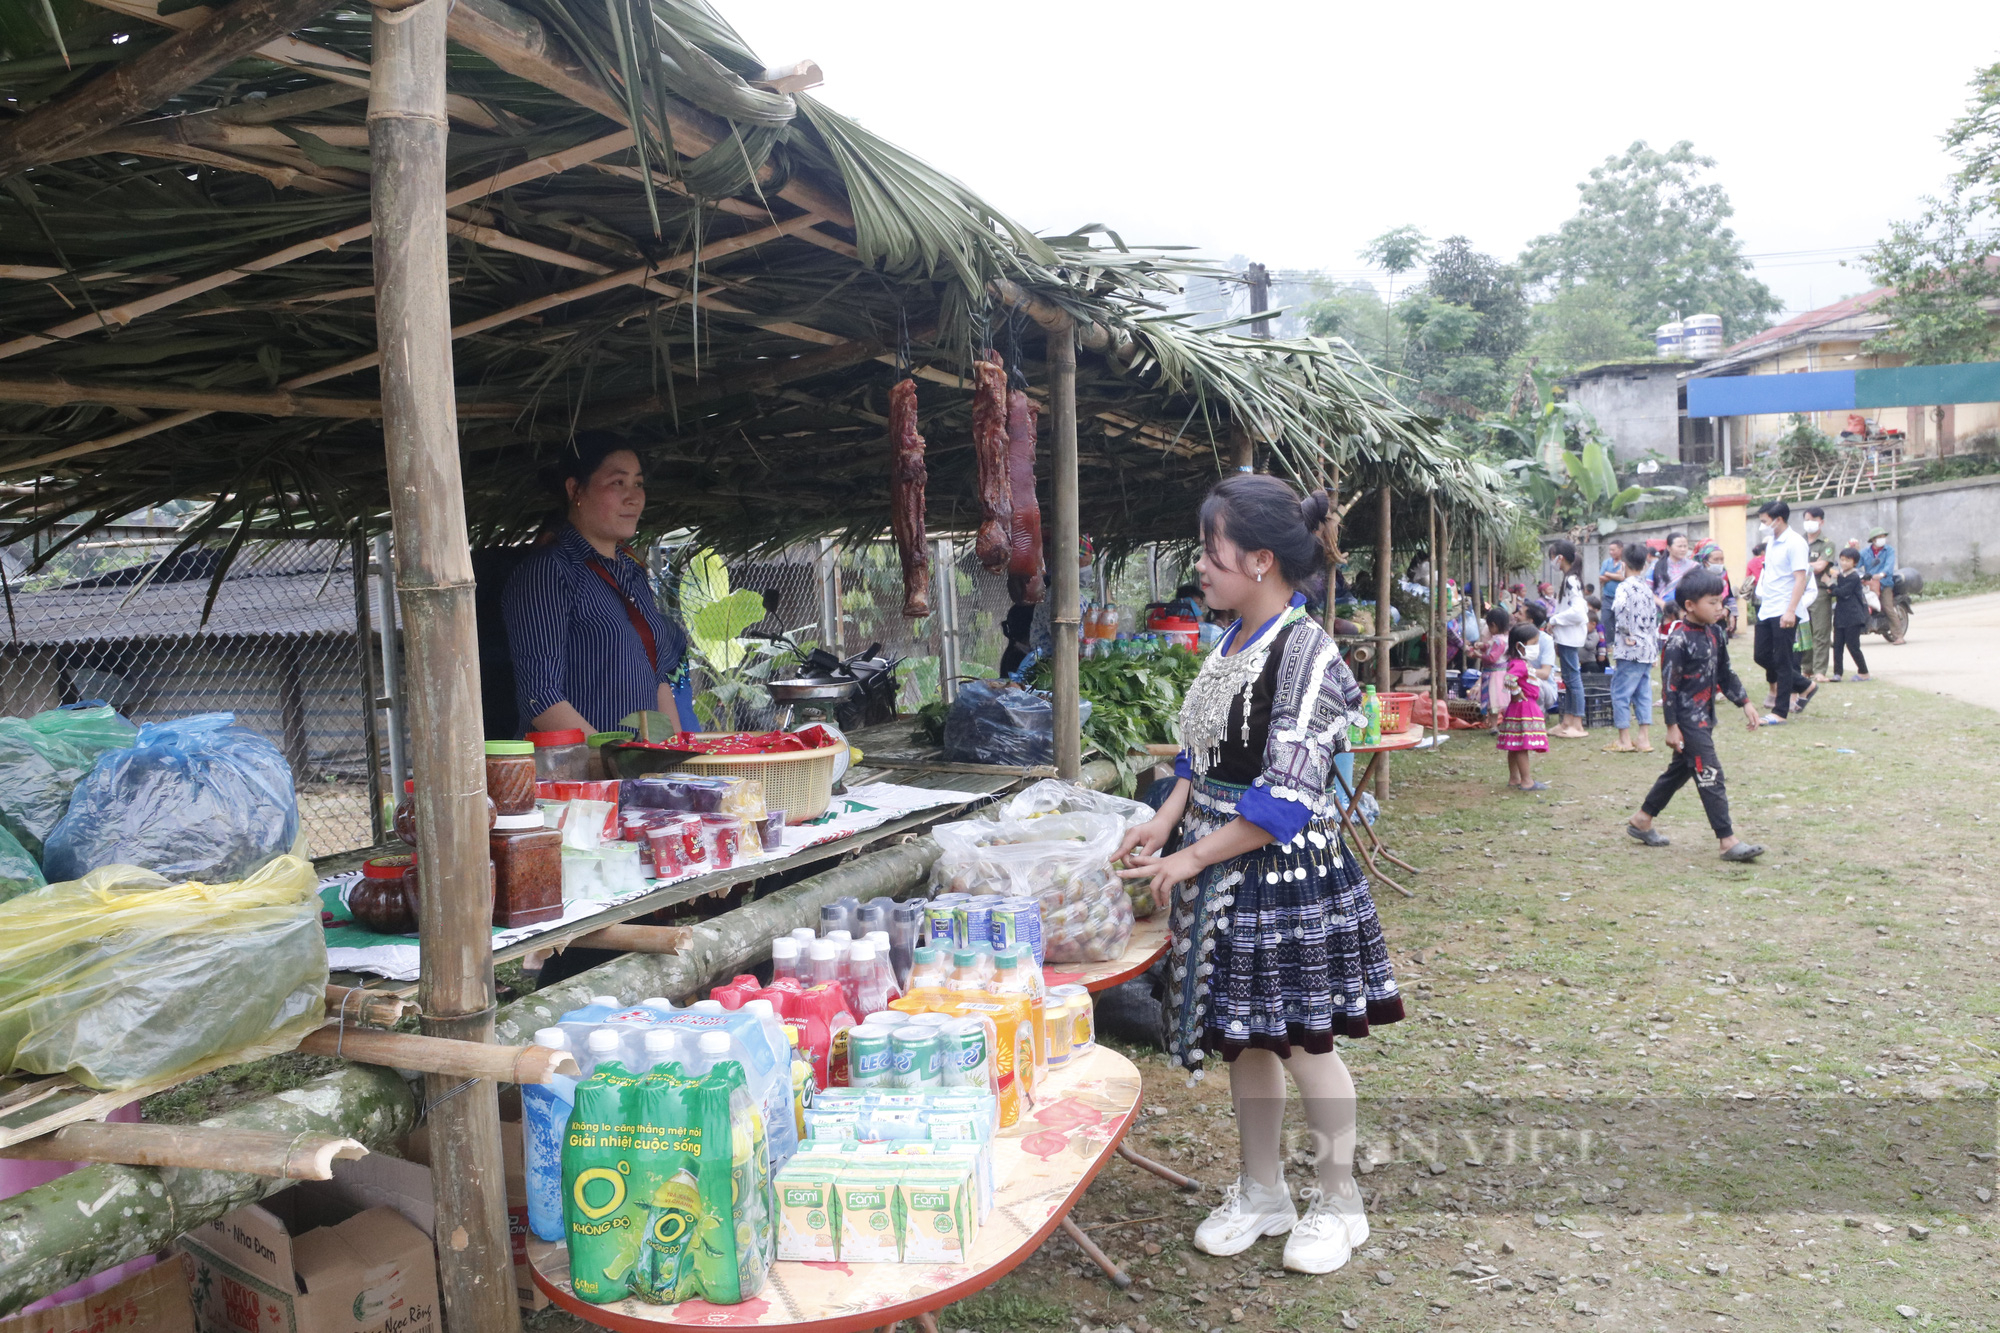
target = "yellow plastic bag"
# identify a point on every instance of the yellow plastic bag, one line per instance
(122, 977)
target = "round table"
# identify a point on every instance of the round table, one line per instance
(1362, 834)
(1041, 1167)
(1148, 942)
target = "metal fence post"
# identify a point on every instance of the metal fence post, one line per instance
(392, 665)
(948, 628)
(364, 646)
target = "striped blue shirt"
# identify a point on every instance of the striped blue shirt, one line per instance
(571, 638)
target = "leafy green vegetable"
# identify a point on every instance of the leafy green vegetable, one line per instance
(1135, 701)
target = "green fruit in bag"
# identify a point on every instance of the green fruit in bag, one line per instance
(606, 1186)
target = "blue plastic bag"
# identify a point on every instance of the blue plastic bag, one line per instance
(199, 798)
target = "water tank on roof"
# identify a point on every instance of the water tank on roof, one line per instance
(1701, 337)
(1667, 341)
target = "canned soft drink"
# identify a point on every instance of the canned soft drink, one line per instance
(924, 1020)
(1028, 924)
(1083, 1015)
(918, 1057)
(1056, 1010)
(938, 921)
(972, 922)
(965, 1054)
(869, 1061)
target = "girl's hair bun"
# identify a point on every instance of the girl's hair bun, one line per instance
(1313, 509)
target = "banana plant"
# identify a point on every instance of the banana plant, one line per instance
(735, 666)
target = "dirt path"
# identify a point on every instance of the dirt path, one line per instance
(1951, 645)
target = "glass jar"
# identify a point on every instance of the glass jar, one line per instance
(560, 756)
(510, 777)
(384, 899)
(527, 870)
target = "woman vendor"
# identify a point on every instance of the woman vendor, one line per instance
(1276, 946)
(589, 642)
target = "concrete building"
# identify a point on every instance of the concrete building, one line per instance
(1833, 338)
(1638, 405)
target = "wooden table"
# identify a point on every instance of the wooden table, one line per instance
(1148, 942)
(1041, 1168)
(1364, 839)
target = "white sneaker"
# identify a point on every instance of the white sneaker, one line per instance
(1248, 1211)
(1322, 1241)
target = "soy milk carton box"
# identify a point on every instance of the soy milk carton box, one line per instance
(940, 1215)
(808, 1212)
(867, 1230)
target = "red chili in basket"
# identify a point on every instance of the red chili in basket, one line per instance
(752, 742)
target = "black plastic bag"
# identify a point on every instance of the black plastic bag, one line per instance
(199, 798)
(999, 722)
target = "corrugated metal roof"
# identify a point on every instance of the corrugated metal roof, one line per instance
(251, 603)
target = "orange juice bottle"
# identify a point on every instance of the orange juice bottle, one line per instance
(1014, 1048)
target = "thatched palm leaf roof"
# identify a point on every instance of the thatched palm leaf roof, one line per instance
(654, 237)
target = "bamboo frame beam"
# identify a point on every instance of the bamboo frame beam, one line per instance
(58, 392)
(1066, 613)
(521, 45)
(535, 169)
(441, 1055)
(1385, 581)
(628, 938)
(134, 86)
(341, 70)
(202, 1148)
(355, 1004)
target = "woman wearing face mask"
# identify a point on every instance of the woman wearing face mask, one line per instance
(1878, 567)
(588, 639)
(1276, 946)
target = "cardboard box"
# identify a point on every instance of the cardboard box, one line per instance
(347, 1255)
(154, 1301)
(418, 1149)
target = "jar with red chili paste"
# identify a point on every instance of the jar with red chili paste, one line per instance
(527, 870)
(384, 900)
(406, 812)
(510, 776)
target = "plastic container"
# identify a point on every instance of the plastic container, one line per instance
(510, 777)
(406, 812)
(527, 870)
(927, 971)
(906, 923)
(784, 958)
(561, 756)
(383, 899)
(545, 1109)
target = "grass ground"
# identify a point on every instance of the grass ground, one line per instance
(1639, 1088)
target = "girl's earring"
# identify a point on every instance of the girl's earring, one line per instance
(1260, 576)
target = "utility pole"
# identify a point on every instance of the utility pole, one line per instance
(1259, 280)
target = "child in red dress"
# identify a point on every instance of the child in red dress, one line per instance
(1524, 728)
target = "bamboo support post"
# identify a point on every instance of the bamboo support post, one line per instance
(1068, 534)
(406, 134)
(629, 938)
(1385, 582)
(1332, 538)
(1437, 617)
(441, 1056)
(202, 1147)
(376, 1009)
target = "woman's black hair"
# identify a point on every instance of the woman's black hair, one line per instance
(1567, 550)
(1670, 537)
(1261, 513)
(579, 461)
(1518, 639)
(1636, 556)
(1497, 618)
(1538, 614)
(1698, 583)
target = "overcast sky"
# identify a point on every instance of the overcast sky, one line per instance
(1291, 131)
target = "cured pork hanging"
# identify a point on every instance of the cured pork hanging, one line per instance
(993, 544)
(907, 476)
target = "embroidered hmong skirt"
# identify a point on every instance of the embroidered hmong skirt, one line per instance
(1279, 948)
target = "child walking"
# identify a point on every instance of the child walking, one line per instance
(1493, 660)
(1524, 727)
(1850, 613)
(1693, 667)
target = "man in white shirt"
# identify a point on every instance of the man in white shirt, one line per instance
(1784, 591)
(1570, 626)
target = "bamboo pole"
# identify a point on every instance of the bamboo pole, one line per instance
(91, 1219)
(204, 1148)
(1333, 517)
(1385, 582)
(1436, 582)
(350, 1005)
(55, 391)
(628, 938)
(407, 133)
(1066, 614)
(443, 1056)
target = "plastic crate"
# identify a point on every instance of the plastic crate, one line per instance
(1597, 701)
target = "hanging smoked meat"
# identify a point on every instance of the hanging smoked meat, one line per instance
(906, 498)
(993, 543)
(1025, 557)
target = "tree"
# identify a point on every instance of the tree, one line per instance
(1652, 230)
(1353, 313)
(1944, 265)
(1587, 325)
(1398, 250)
(1462, 326)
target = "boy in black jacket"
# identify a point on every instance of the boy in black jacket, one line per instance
(1850, 613)
(1694, 666)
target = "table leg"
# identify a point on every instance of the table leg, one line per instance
(1168, 1174)
(1119, 1277)
(1357, 831)
(927, 1320)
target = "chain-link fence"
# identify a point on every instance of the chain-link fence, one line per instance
(122, 620)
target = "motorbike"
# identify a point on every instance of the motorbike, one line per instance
(1909, 582)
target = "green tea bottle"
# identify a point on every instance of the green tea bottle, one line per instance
(604, 1215)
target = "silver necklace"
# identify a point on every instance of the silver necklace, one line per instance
(1222, 682)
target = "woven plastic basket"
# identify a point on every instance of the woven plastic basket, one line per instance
(1395, 712)
(800, 783)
